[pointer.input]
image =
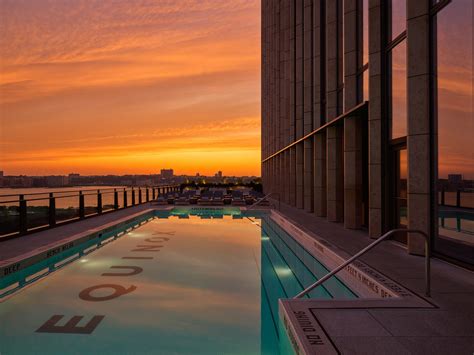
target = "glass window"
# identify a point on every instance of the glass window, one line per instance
(401, 190)
(366, 85)
(398, 16)
(398, 92)
(365, 49)
(365, 29)
(454, 31)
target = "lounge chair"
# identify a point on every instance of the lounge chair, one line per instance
(171, 197)
(237, 199)
(228, 198)
(205, 199)
(249, 199)
(160, 200)
(182, 199)
(192, 197)
(217, 198)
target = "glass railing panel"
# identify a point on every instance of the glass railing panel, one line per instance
(37, 213)
(467, 199)
(107, 200)
(9, 217)
(90, 203)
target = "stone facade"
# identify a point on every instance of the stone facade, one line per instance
(324, 149)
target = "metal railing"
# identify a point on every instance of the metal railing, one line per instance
(264, 198)
(21, 214)
(369, 247)
(460, 198)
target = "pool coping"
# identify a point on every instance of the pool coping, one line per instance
(376, 290)
(22, 261)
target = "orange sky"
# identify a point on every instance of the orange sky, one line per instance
(119, 87)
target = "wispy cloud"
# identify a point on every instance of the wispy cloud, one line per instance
(85, 81)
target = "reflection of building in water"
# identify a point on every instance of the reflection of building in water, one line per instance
(372, 154)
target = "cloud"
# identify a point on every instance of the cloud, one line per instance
(85, 81)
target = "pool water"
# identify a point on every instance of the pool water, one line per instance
(195, 284)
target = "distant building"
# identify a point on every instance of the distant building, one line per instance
(56, 181)
(167, 173)
(218, 174)
(1, 173)
(455, 179)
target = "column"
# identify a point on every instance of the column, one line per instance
(352, 125)
(335, 174)
(376, 114)
(419, 133)
(320, 202)
(308, 104)
(332, 60)
(293, 176)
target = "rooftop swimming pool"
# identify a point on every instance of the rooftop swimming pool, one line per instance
(185, 281)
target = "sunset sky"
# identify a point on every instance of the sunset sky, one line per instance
(116, 87)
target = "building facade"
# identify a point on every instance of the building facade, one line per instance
(367, 108)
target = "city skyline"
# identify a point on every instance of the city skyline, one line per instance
(117, 88)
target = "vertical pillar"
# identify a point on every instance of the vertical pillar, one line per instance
(299, 108)
(293, 176)
(287, 175)
(332, 60)
(320, 202)
(99, 202)
(52, 210)
(352, 125)
(82, 209)
(419, 132)
(308, 175)
(308, 104)
(335, 174)
(376, 115)
(23, 214)
(116, 201)
(299, 174)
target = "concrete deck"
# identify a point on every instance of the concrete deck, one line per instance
(365, 328)
(12, 248)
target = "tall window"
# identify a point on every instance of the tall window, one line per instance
(455, 112)
(398, 90)
(397, 57)
(398, 19)
(364, 76)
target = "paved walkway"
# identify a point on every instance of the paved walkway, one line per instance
(445, 329)
(21, 245)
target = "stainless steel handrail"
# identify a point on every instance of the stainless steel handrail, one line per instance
(369, 247)
(263, 198)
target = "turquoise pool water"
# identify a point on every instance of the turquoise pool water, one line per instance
(185, 282)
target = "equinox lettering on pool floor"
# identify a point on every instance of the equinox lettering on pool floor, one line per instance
(71, 327)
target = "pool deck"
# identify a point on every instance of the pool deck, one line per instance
(15, 247)
(382, 327)
(367, 326)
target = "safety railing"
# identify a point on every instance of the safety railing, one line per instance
(370, 247)
(263, 199)
(21, 214)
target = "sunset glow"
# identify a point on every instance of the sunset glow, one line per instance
(102, 87)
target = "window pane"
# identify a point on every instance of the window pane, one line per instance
(399, 91)
(402, 187)
(398, 17)
(455, 127)
(366, 84)
(365, 35)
